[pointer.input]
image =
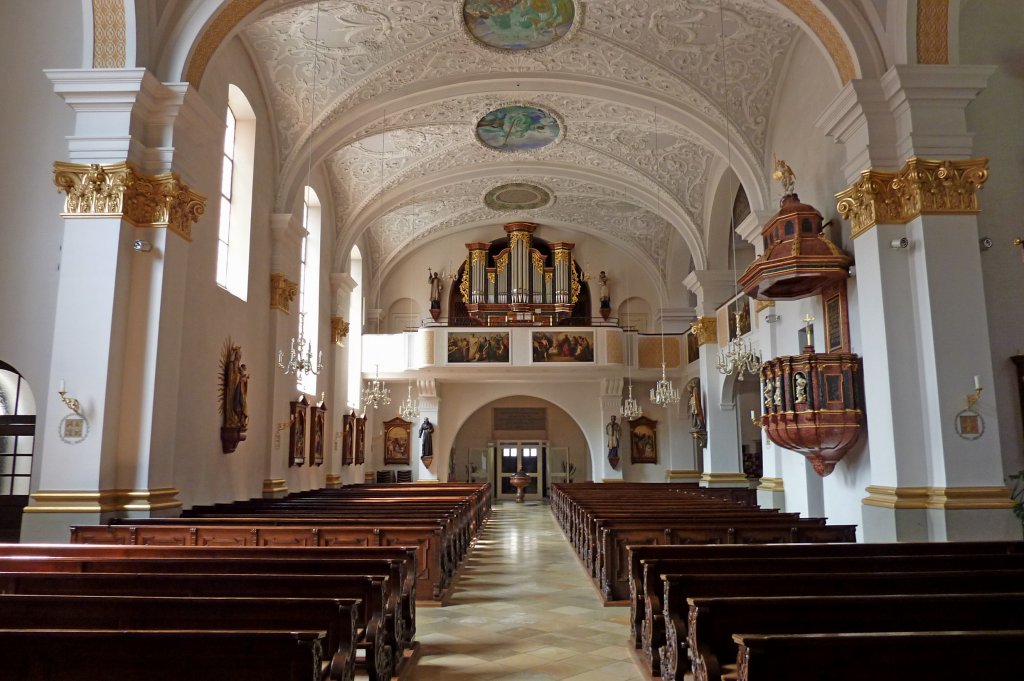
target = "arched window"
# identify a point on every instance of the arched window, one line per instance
(355, 334)
(309, 282)
(236, 195)
(17, 438)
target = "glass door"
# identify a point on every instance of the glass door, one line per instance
(515, 456)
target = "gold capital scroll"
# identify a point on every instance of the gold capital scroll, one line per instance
(282, 292)
(118, 190)
(919, 188)
(706, 330)
(339, 330)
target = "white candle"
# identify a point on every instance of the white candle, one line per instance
(977, 383)
(62, 386)
(752, 415)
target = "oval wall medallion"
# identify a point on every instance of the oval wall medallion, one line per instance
(518, 24)
(517, 196)
(518, 128)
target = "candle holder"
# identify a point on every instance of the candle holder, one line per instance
(70, 402)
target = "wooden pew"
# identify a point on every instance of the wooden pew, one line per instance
(433, 576)
(678, 588)
(162, 655)
(396, 618)
(713, 621)
(324, 556)
(879, 656)
(616, 538)
(653, 627)
(375, 639)
(645, 583)
(335, 617)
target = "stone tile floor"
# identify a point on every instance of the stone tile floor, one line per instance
(523, 609)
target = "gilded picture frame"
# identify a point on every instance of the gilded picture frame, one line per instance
(297, 432)
(360, 453)
(347, 438)
(397, 441)
(318, 418)
(643, 440)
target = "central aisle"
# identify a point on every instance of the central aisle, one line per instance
(523, 609)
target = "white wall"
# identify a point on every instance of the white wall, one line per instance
(35, 121)
(990, 34)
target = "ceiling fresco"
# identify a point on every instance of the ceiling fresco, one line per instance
(408, 92)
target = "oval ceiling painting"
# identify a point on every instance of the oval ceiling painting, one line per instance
(517, 196)
(518, 128)
(518, 24)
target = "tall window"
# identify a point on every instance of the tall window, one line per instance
(355, 334)
(236, 195)
(17, 435)
(309, 282)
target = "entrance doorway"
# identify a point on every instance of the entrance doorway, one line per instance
(514, 456)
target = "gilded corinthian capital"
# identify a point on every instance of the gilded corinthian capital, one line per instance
(919, 188)
(706, 330)
(118, 190)
(282, 292)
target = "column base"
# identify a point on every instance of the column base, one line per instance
(682, 476)
(50, 513)
(725, 480)
(274, 488)
(939, 514)
(771, 493)
(333, 481)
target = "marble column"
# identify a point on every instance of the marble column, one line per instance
(722, 465)
(125, 251)
(924, 326)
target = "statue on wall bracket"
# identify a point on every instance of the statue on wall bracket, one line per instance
(234, 389)
(436, 284)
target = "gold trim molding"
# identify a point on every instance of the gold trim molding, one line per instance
(283, 292)
(719, 478)
(830, 36)
(943, 498)
(117, 190)
(771, 485)
(706, 330)
(109, 34)
(932, 31)
(763, 305)
(333, 481)
(339, 330)
(104, 501)
(921, 187)
(612, 480)
(682, 476)
(274, 485)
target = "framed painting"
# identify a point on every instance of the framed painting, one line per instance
(347, 435)
(643, 438)
(480, 348)
(297, 432)
(397, 434)
(318, 419)
(360, 439)
(692, 347)
(837, 322)
(563, 346)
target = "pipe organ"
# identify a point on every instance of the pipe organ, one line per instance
(520, 279)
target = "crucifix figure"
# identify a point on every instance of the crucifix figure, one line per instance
(809, 330)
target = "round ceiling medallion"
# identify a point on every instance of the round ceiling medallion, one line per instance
(518, 128)
(518, 24)
(517, 196)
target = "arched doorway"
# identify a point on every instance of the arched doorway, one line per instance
(520, 432)
(17, 442)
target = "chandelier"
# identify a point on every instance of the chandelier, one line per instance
(376, 394)
(630, 407)
(663, 393)
(738, 358)
(300, 359)
(408, 410)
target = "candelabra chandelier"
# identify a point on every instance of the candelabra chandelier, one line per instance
(300, 359)
(739, 358)
(376, 394)
(630, 407)
(409, 411)
(663, 393)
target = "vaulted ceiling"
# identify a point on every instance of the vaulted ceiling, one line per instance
(647, 113)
